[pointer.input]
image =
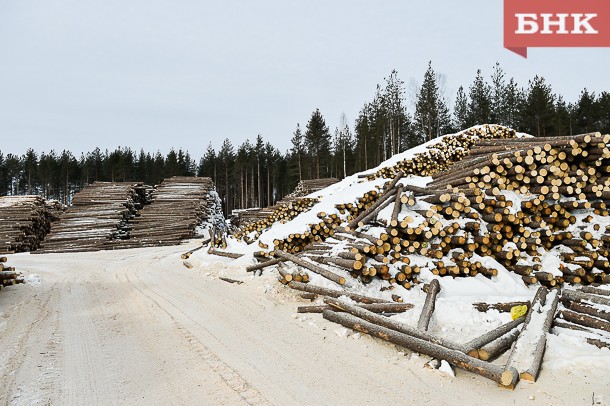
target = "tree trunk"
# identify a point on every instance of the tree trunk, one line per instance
(493, 372)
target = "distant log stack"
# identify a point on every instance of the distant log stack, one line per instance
(282, 214)
(257, 219)
(99, 214)
(178, 205)
(25, 221)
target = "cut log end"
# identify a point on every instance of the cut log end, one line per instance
(509, 378)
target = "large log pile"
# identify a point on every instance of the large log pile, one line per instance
(532, 206)
(519, 207)
(178, 205)
(25, 221)
(99, 215)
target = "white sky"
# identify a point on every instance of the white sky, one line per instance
(157, 74)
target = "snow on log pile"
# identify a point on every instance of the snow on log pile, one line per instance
(179, 204)
(25, 221)
(8, 275)
(257, 219)
(98, 216)
(497, 215)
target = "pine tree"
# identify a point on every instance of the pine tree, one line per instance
(460, 111)
(226, 158)
(298, 149)
(317, 142)
(30, 162)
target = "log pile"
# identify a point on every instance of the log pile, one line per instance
(308, 186)
(25, 221)
(439, 156)
(99, 215)
(533, 206)
(177, 206)
(8, 275)
(244, 217)
(536, 200)
(282, 214)
(586, 310)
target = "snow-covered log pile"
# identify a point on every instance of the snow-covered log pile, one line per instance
(282, 214)
(308, 186)
(511, 213)
(178, 205)
(424, 160)
(98, 216)
(25, 221)
(8, 275)
(243, 218)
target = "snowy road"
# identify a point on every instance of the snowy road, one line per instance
(137, 327)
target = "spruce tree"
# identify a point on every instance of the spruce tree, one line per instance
(431, 112)
(479, 108)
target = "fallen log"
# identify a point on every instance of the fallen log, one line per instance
(214, 251)
(424, 319)
(501, 307)
(587, 309)
(263, 265)
(526, 356)
(318, 290)
(374, 307)
(390, 323)
(499, 346)
(490, 371)
(312, 267)
(577, 296)
(585, 320)
(473, 346)
(595, 291)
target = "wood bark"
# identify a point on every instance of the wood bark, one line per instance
(428, 309)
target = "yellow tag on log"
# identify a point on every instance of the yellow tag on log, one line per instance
(518, 311)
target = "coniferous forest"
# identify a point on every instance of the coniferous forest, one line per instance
(256, 173)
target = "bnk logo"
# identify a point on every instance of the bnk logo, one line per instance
(555, 23)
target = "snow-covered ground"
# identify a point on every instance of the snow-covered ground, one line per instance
(138, 327)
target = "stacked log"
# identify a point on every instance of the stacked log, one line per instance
(8, 275)
(25, 221)
(177, 206)
(282, 214)
(309, 186)
(99, 215)
(441, 155)
(244, 217)
(587, 309)
(485, 206)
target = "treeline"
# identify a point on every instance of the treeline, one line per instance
(60, 175)
(256, 174)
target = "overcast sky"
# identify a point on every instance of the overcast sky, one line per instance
(156, 74)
